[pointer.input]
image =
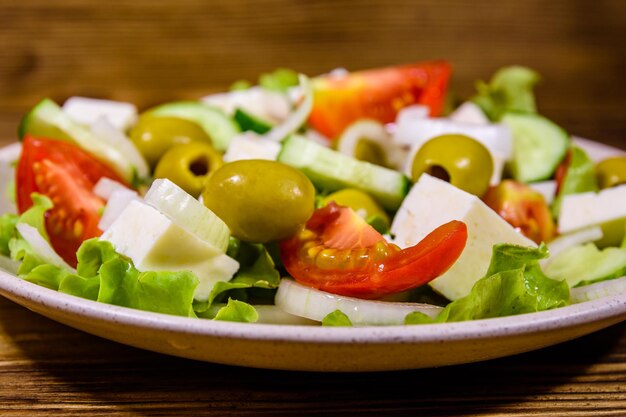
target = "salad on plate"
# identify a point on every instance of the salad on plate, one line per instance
(347, 199)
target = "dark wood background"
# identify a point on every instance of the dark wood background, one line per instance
(152, 51)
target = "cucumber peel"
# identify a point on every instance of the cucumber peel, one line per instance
(247, 122)
(220, 128)
(539, 146)
(330, 170)
(47, 120)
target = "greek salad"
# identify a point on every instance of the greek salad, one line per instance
(347, 199)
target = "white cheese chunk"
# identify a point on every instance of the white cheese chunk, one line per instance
(156, 243)
(105, 187)
(495, 137)
(116, 204)
(606, 209)
(87, 111)
(469, 112)
(251, 146)
(433, 202)
(546, 188)
(259, 102)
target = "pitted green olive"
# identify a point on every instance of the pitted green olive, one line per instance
(154, 135)
(462, 161)
(611, 172)
(260, 201)
(189, 165)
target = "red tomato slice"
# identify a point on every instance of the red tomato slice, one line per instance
(523, 208)
(377, 94)
(561, 171)
(339, 253)
(66, 174)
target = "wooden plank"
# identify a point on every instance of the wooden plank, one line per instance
(147, 52)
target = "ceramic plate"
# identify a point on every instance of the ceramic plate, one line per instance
(323, 348)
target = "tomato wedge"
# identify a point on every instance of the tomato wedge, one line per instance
(523, 208)
(66, 174)
(339, 253)
(377, 94)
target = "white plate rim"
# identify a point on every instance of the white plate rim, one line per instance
(573, 315)
(612, 307)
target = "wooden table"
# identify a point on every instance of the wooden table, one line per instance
(148, 52)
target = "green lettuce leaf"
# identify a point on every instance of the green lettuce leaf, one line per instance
(579, 178)
(237, 311)
(514, 284)
(80, 286)
(336, 319)
(281, 79)
(120, 283)
(510, 89)
(47, 275)
(257, 270)
(35, 215)
(163, 292)
(106, 276)
(417, 317)
(586, 264)
(7, 232)
(240, 85)
(19, 248)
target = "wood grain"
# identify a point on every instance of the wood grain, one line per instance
(147, 52)
(46, 367)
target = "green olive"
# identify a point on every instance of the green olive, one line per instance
(358, 201)
(260, 201)
(154, 135)
(370, 151)
(611, 172)
(189, 165)
(458, 159)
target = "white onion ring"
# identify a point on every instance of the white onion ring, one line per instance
(312, 304)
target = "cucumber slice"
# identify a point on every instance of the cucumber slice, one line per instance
(247, 122)
(188, 213)
(330, 171)
(47, 119)
(539, 145)
(220, 128)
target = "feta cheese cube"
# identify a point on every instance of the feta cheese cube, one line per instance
(433, 202)
(606, 209)
(87, 111)
(156, 243)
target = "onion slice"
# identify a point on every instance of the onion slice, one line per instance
(375, 132)
(115, 138)
(296, 119)
(303, 301)
(598, 290)
(41, 246)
